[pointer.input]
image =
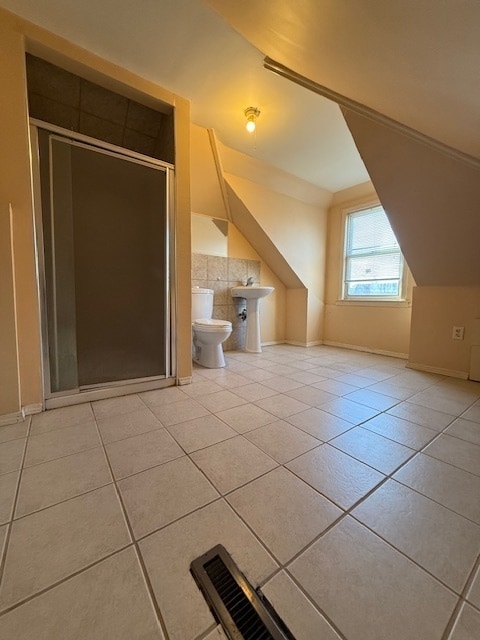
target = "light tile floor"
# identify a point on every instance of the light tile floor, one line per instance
(345, 486)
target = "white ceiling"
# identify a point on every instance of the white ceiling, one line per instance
(186, 47)
(416, 61)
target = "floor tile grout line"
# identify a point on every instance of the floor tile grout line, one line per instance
(67, 455)
(144, 536)
(461, 601)
(11, 440)
(218, 498)
(224, 495)
(278, 464)
(353, 426)
(441, 433)
(62, 457)
(61, 581)
(405, 555)
(204, 635)
(315, 446)
(286, 566)
(413, 454)
(228, 493)
(6, 544)
(33, 434)
(461, 515)
(154, 602)
(365, 426)
(135, 435)
(438, 433)
(97, 419)
(336, 504)
(347, 512)
(153, 466)
(264, 544)
(220, 494)
(475, 444)
(277, 418)
(315, 605)
(147, 406)
(422, 451)
(417, 451)
(471, 579)
(55, 504)
(230, 437)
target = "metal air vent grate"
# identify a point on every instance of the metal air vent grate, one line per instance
(233, 601)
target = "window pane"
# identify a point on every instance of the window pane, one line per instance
(370, 231)
(379, 267)
(373, 261)
(376, 288)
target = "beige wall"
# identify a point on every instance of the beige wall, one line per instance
(206, 195)
(281, 220)
(436, 310)
(373, 326)
(273, 307)
(16, 36)
(9, 384)
(15, 188)
(207, 199)
(299, 232)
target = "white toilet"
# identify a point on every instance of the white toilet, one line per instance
(208, 334)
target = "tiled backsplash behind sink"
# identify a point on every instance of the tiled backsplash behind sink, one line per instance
(221, 274)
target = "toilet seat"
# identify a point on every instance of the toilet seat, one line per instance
(212, 325)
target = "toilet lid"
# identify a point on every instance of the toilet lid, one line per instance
(212, 323)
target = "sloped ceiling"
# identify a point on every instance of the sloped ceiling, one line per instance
(416, 61)
(186, 47)
(432, 200)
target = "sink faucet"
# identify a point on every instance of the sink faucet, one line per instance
(250, 281)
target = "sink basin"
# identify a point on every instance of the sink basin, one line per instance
(251, 292)
(252, 295)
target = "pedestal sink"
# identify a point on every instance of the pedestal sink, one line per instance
(252, 295)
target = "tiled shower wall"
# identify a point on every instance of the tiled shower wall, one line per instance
(71, 102)
(221, 274)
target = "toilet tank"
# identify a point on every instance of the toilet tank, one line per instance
(202, 303)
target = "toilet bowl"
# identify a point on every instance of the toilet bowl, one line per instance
(208, 336)
(208, 333)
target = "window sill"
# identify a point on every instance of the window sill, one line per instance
(375, 303)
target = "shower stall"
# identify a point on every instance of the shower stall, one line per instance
(104, 232)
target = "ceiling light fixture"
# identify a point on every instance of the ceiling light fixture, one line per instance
(251, 115)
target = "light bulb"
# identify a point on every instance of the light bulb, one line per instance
(251, 114)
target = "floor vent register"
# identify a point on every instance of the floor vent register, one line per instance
(233, 601)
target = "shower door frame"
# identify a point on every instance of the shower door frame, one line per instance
(53, 399)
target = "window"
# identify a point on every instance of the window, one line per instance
(373, 261)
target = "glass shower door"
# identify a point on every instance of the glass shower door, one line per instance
(105, 236)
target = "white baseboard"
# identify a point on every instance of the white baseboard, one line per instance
(271, 343)
(11, 418)
(297, 343)
(186, 380)
(355, 347)
(19, 416)
(443, 372)
(31, 409)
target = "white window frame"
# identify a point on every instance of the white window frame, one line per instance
(383, 300)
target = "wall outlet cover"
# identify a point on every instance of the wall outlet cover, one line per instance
(458, 333)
